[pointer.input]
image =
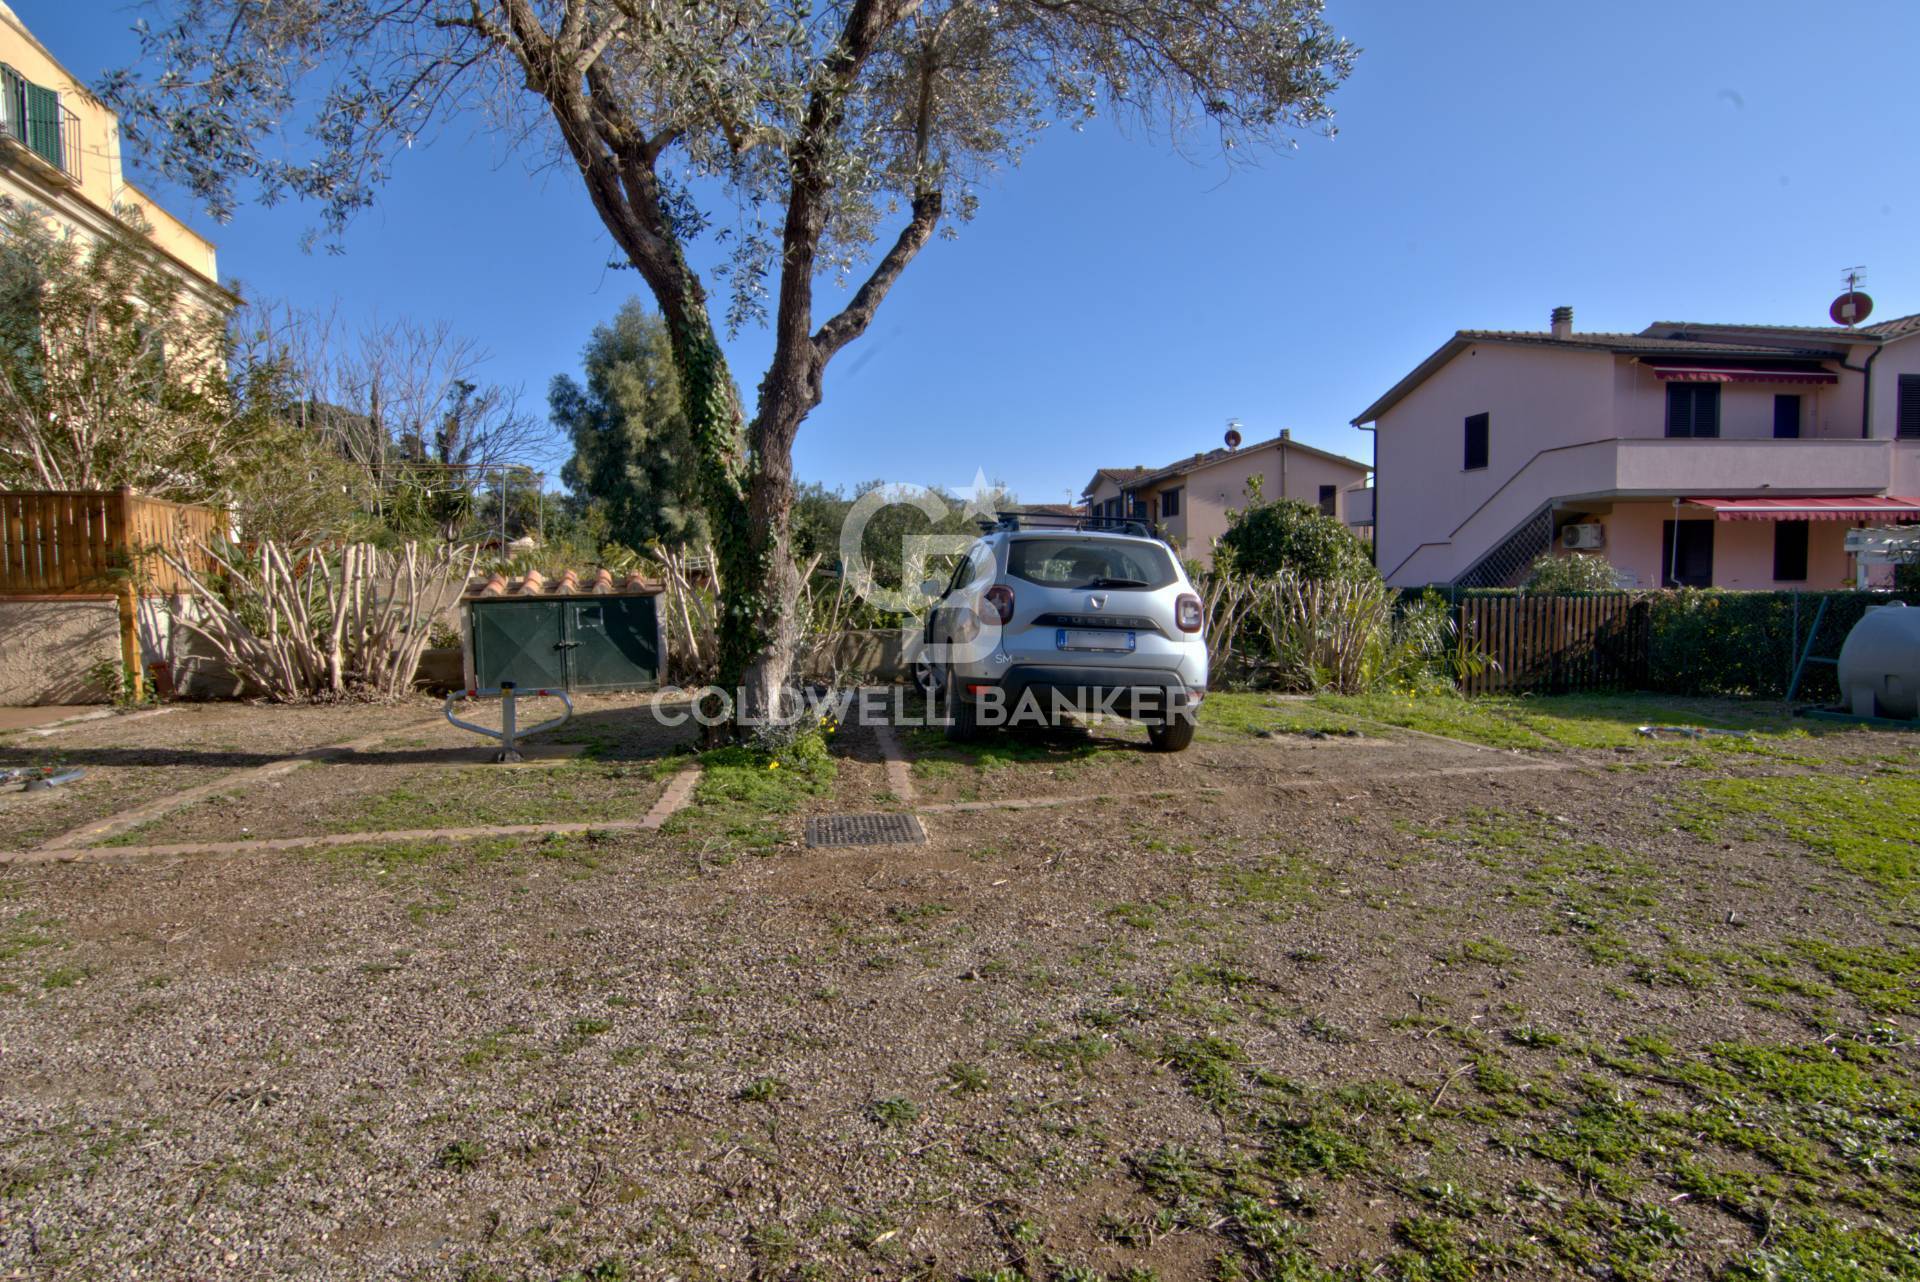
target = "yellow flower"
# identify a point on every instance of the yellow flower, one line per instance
(773, 765)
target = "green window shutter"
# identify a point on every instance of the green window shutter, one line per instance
(43, 124)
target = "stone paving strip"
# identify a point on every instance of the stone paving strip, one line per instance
(899, 771)
(55, 727)
(113, 825)
(678, 794)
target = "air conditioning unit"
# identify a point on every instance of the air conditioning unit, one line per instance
(1583, 538)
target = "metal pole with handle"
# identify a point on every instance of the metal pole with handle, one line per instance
(509, 733)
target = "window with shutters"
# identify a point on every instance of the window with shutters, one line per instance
(1476, 442)
(31, 115)
(1790, 551)
(1326, 499)
(1909, 427)
(1693, 409)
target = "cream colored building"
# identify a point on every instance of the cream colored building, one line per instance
(60, 152)
(1190, 499)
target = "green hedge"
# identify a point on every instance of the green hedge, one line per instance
(1712, 642)
(1709, 641)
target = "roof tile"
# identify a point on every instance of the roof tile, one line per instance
(536, 584)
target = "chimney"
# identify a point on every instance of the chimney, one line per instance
(1563, 322)
(1286, 434)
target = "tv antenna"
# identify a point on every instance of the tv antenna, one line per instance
(1853, 306)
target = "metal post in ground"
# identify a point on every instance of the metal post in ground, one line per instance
(509, 732)
(508, 752)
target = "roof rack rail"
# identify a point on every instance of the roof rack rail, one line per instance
(1135, 525)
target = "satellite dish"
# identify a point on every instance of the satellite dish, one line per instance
(1850, 308)
(1233, 438)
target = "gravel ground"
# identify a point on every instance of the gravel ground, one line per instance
(1387, 1005)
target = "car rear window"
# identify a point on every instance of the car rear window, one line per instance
(1086, 563)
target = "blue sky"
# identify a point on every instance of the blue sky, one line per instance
(1115, 304)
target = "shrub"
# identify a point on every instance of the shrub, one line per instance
(1268, 538)
(1705, 641)
(1578, 572)
(1349, 635)
(316, 621)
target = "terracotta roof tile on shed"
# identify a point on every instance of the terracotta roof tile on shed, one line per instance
(601, 582)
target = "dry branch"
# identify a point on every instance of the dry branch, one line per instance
(323, 621)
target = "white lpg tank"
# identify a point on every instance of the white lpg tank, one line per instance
(1880, 664)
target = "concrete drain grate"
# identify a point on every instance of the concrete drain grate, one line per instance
(865, 830)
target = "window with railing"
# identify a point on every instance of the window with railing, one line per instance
(32, 116)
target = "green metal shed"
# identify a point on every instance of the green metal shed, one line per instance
(565, 634)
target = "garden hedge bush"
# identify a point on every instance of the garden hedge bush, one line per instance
(1713, 642)
(1710, 641)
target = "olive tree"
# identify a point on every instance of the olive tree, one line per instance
(804, 139)
(110, 376)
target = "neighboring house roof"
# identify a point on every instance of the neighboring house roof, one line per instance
(1842, 335)
(1899, 327)
(1647, 344)
(1048, 509)
(1120, 476)
(1130, 477)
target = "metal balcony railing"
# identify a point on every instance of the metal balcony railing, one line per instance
(31, 115)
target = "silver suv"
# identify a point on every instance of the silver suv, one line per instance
(1083, 617)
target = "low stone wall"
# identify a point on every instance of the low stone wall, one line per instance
(876, 655)
(49, 648)
(441, 669)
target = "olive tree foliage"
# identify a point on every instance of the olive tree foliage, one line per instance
(111, 376)
(803, 139)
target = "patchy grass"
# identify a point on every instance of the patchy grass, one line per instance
(1064, 748)
(1866, 826)
(489, 795)
(1549, 722)
(1797, 1139)
(1451, 1029)
(1255, 713)
(1472, 720)
(744, 794)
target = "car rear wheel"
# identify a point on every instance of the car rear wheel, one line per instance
(963, 716)
(1171, 736)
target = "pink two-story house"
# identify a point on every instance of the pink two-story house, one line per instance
(1732, 456)
(1190, 499)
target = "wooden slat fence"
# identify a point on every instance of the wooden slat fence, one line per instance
(89, 542)
(1556, 643)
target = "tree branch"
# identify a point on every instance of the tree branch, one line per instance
(853, 319)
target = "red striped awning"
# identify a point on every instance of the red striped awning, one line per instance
(1701, 374)
(1821, 507)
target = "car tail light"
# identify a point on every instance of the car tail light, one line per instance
(1186, 612)
(998, 598)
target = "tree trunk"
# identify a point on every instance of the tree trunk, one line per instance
(777, 627)
(748, 486)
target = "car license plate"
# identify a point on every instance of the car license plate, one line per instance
(1091, 639)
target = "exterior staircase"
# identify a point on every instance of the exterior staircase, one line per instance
(1506, 563)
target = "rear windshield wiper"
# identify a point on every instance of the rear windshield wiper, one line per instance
(1105, 582)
